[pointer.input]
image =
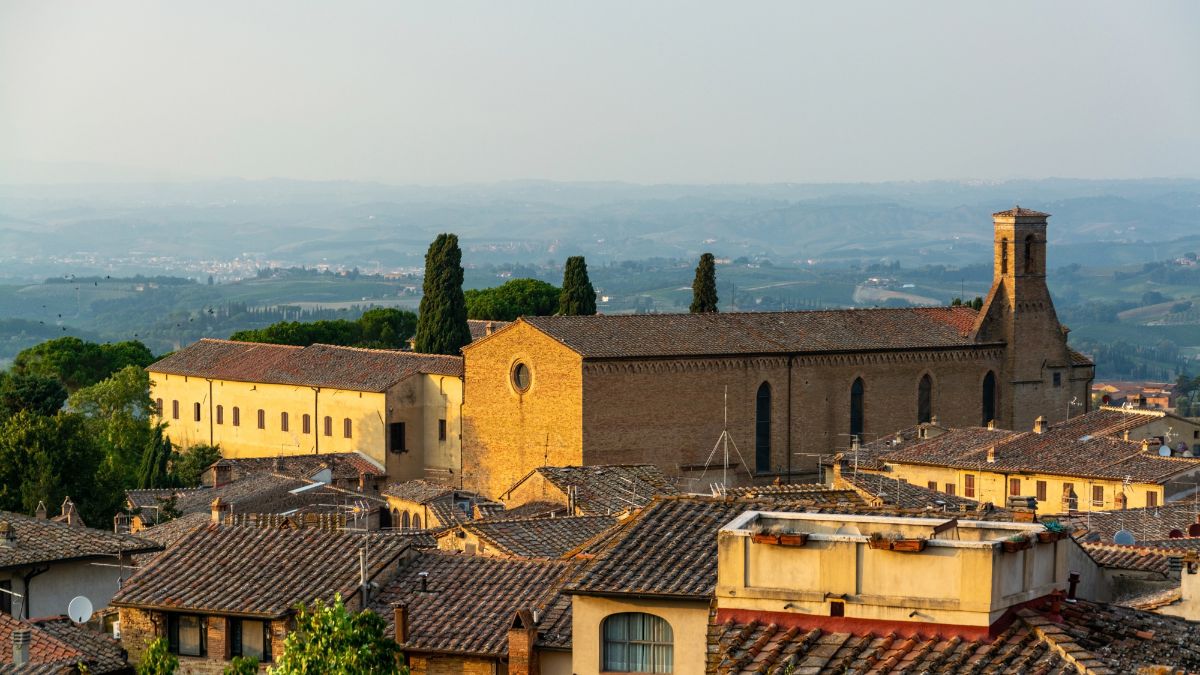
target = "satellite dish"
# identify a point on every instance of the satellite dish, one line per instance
(80, 609)
(1124, 537)
(1164, 451)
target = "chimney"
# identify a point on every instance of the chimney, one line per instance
(1126, 435)
(1145, 445)
(488, 328)
(991, 424)
(8, 536)
(837, 470)
(1039, 425)
(41, 511)
(424, 576)
(933, 420)
(1073, 580)
(991, 456)
(20, 644)
(400, 617)
(69, 514)
(218, 508)
(522, 636)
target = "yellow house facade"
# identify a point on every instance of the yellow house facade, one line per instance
(400, 410)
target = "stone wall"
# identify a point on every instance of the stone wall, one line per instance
(453, 665)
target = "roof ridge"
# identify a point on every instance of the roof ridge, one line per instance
(948, 309)
(249, 342)
(378, 350)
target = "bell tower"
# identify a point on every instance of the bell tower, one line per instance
(1019, 312)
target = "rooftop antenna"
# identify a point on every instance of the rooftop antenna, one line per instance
(723, 442)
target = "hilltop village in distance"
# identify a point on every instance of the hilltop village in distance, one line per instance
(920, 489)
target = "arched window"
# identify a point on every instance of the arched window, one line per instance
(220, 414)
(347, 428)
(283, 421)
(1028, 255)
(1003, 256)
(637, 643)
(404, 521)
(762, 429)
(989, 398)
(237, 416)
(306, 423)
(925, 400)
(856, 408)
(328, 425)
(416, 521)
(196, 412)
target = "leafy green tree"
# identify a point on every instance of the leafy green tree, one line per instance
(188, 466)
(329, 640)
(118, 411)
(704, 287)
(442, 321)
(156, 458)
(158, 660)
(77, 363)
(47, 458)
(387, 327)
(38, 394)
(242, 665)
(382, 327)
(578, 295)
(513, 298)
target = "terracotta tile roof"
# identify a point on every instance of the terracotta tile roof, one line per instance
(417, 491)
(317, 365)
(479, 327)
(609, 488)
(1139, 558)
(1020, 212)
(539, 537)
(906, 495)
(806, 494)
(470, 601)
(1079, 359)
(1060, 450)
(1086, 638)
(45, 541)
(1146, 524)
(256, 571)
(1151, 599)
(344, 466)
(47, 653)
(527, 510)
(1176, 544)
(674, 335)
(101, 653)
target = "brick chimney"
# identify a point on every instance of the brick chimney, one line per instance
(991, 424)
(522, 639)
(218, 510)
(41, 511)
(489, 328)
(991, 456)
(20, 646)
(70, 515)
(8, 536)
(1039, 425)
(400, 617)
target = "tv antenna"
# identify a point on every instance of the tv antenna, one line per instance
(723, 442)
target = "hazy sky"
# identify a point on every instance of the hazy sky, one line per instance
(442, 92)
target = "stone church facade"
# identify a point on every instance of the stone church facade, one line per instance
(787, 386)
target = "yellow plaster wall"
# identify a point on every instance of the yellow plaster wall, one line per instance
(688, 619)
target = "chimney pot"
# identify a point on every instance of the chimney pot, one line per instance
(20, 646)
(991, 424)
(400, 617)
(1126, 435)
(991, 456)
(1145, 445)
(488, 328)
(218, 508)
(8, 537)
(1073, 580)
(424, 576)
(1039, 425)
(41, 511)
(933, 420)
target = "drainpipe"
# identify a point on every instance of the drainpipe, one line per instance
(210, 413)
(316, 422)
(789, 423)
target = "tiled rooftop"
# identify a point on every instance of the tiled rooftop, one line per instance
(101, 653)
(812, 332)
(344, 466)
(318, 365)
(1020, 212)
(1085, 638)
(1140, 558)
(609, 488)
(1145, 524)
(539, 537)
(256, 571)
(880, 487)
(470, 601)
(40, 541)
(418, 491)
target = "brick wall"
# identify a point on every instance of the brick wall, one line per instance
(452, 665)
(139, 628)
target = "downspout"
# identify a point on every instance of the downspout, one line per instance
(462, 397)
(316, 422)
(789, 423)
(210, 414)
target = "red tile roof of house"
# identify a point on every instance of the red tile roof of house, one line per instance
(1138, 558)
(1020, 212)
(39, 541)
(671, 335)
(101, 652)
(318, 365)
(58, 645)
(538, 537)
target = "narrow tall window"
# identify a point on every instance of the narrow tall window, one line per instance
(989, 398)
(396, 437)
(405, 523)
(283, 421)
(762, 429)
(306, 423)
(158, 407)
(175, 410)
(1151, 498)
(347, 428)
(1003, 256)
(262, 418)
(416, 521)
(925, 400)
(856, 408)
(328, 425)
(220, 414)
(1069, 498)
(969, 486)
(1029, 255)
(1041, 491)
(634, 642)
(6, 598)
(237, 416)
(195, 412)
(1014, 487)
(1097, 495)
(441, 430)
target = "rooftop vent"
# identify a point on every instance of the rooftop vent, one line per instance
(20, 645)
(1039, 425)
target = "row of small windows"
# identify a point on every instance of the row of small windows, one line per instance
(762, 412)
(284, 419)
(406, 521)
(1070, 499)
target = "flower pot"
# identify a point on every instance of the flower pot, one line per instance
(909, 545)
(1014, 546)
(880, 544)
(1046, 536)
(765, 538)
(795, 539)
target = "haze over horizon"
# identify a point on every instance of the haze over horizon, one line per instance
(640, 93)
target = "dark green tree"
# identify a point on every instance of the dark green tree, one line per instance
(46, 458)
(442, 321)
(513, 298)
(704, 287)
(578, 295)
(188, 466)
(156, 459)
(387, 327)
(330, 640)
(77, 363)
(38, 394)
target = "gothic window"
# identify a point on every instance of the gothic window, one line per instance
(989, 398)
(925, 400)
(762, 429)
(856, 408)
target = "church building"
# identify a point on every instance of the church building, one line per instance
(787, 387)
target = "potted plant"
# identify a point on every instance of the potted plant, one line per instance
(909, 544)
(1053, 532)
(764, 536)
(1017, 542)
(878, 541)
(793, 538)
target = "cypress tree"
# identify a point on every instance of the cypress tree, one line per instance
(442, 324)
(704, 288)
(578, 296)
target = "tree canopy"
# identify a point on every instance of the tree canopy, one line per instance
(330, 640)
(380, 328)
(77, 363)
(704, 287)
(442, 320)
(578, 296)
(38, 394)
(513, 298)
